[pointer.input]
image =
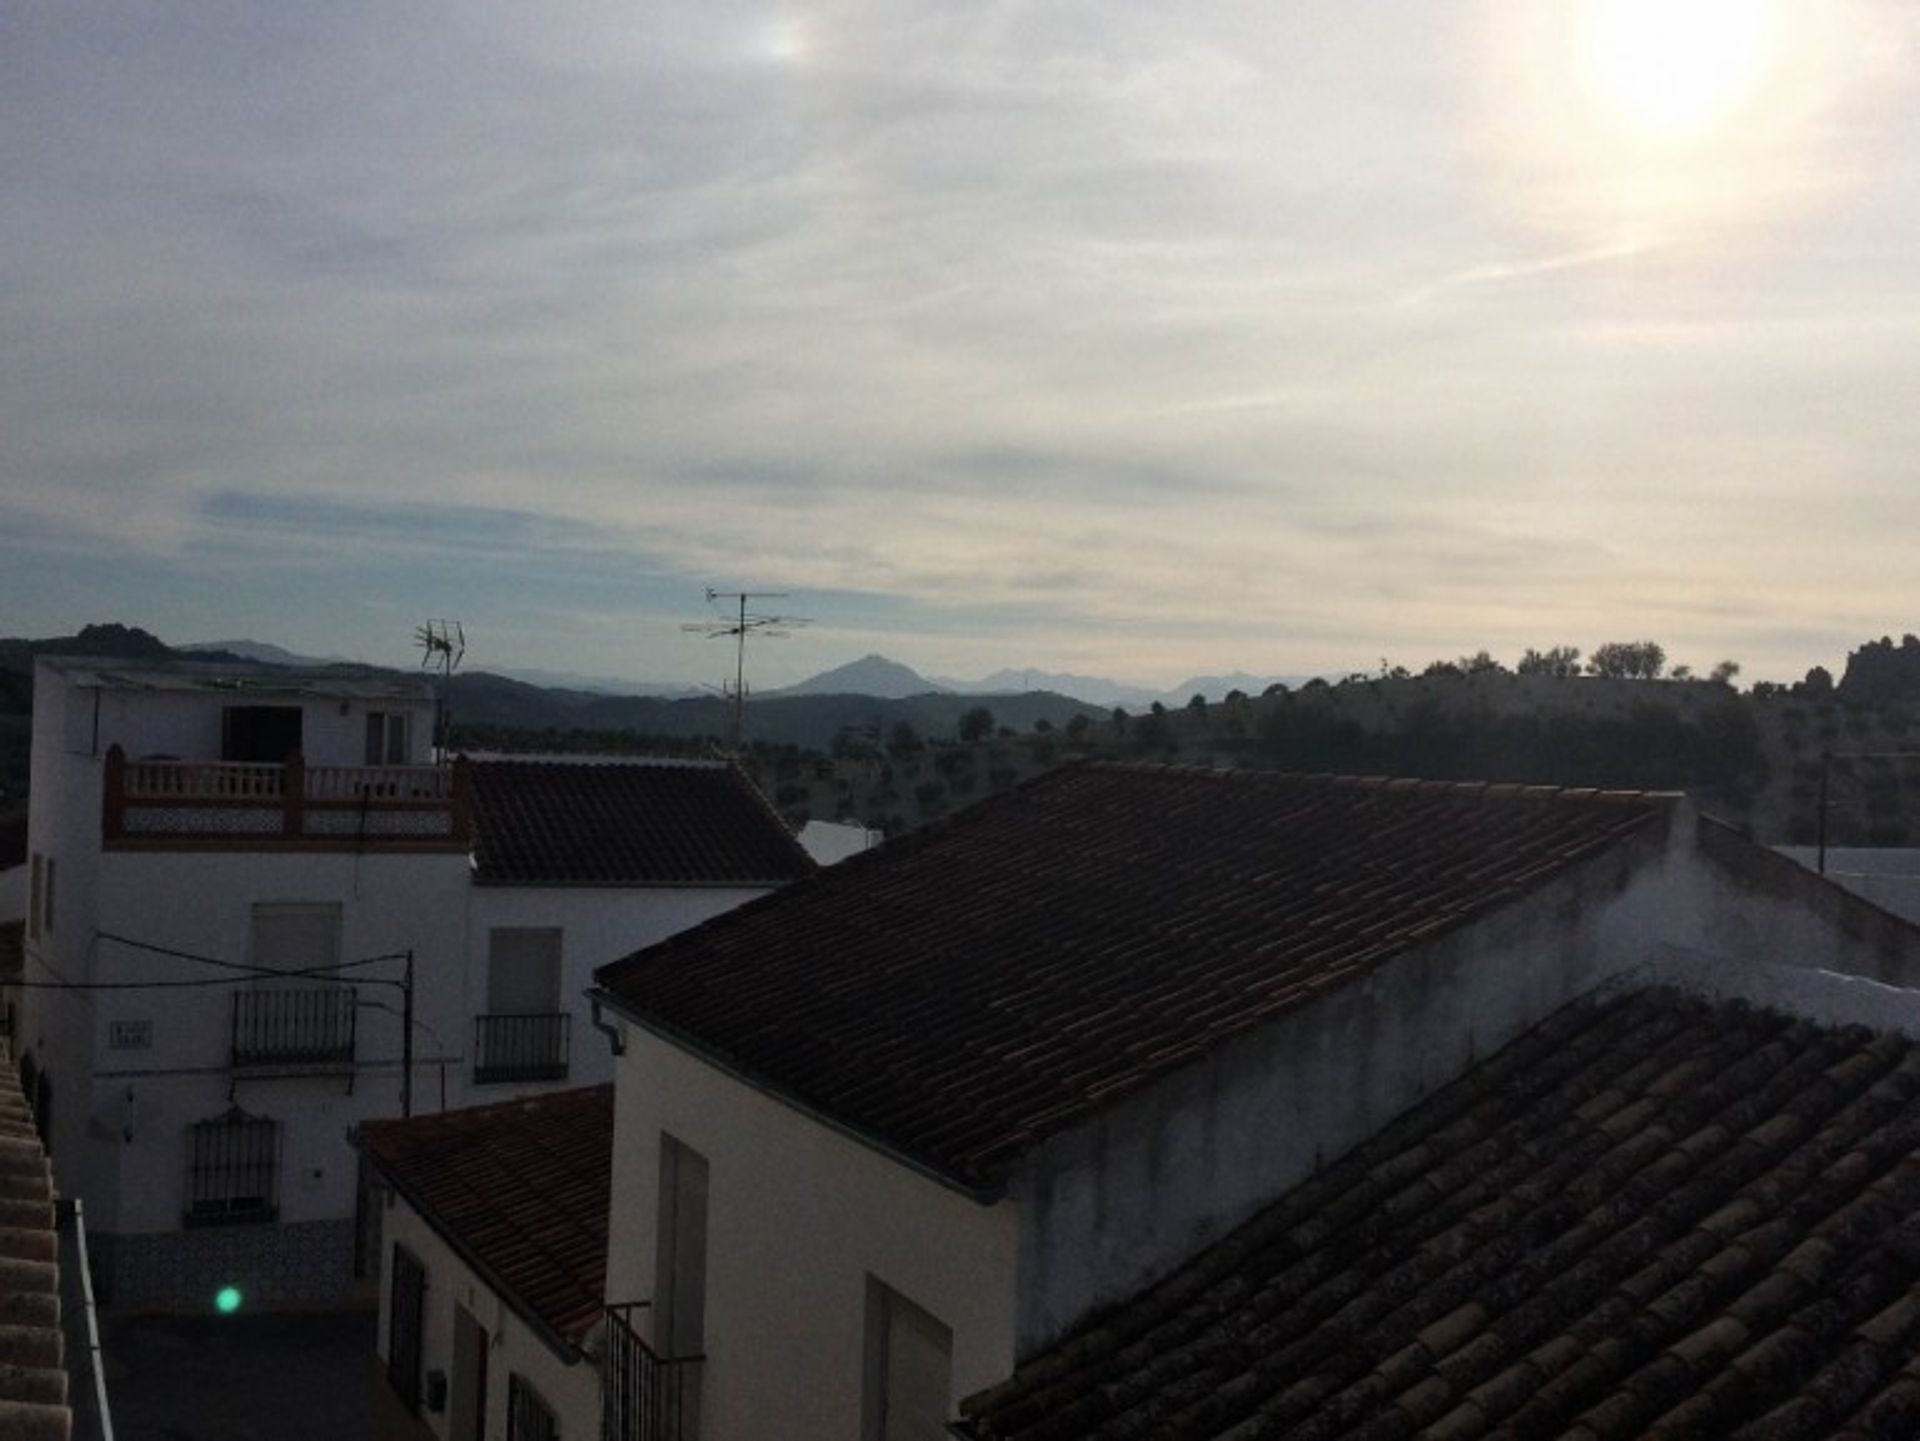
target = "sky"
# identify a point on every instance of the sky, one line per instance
(1133, 340)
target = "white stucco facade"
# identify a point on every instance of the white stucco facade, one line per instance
(803, 1212)
(569, 1384)
(800, 1216)
(130, 1071)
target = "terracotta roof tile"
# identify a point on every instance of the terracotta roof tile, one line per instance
(964, 991)
(1615, 1255)
(557, 823)
(33, 1376)
(520, 1190)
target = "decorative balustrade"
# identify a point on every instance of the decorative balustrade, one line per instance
(225, 805)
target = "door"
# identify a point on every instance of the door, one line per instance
(467, 1406)
(680, 1299)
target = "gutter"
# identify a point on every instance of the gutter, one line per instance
(983, 1195)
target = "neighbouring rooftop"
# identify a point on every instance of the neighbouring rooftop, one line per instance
(344, 682)
(966, 990)
(691, 823)
(34, 1402)
(519, 1190)
(1652, 1216)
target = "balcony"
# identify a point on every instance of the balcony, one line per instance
(223, 805)
(294, 1029)
(644, 1397)
(521, 1048)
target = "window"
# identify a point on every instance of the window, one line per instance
(260, 734)
(296, 935)
(680, 1274)
(406, 1325)
(909, 1369)
(523, 970)
(467, 1407)
(386, 738)
(529, 1418)
(233, 1169)
(524, 1035)
(680, 1280)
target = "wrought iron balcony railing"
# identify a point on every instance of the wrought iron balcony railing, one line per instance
(644, 1397)
(521, 1047)
(294, 1026)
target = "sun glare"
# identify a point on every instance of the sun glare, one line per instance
(1676, 68)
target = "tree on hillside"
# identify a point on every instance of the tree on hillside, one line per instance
(976, 724)
(1559, 661)
(1480, 663)
(1198, 705)
(1724, 673)
(1629, 660)
(903, 741)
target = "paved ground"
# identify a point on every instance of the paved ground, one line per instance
(286, 1377)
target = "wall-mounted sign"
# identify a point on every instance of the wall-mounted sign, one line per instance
(129, 1035)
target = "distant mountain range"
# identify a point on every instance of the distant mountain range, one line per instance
(875, 675)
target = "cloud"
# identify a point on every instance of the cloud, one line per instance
(1068, 330)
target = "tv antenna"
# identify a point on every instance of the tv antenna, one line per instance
(443, 645)
(740, 624)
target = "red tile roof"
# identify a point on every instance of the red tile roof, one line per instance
(963, 991)
(1647, 1218)
(635, 823)
(519, 1189)
(33, 1376)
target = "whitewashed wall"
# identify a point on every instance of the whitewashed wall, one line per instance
(599, 925)
(571, 1389)
(798, 1217)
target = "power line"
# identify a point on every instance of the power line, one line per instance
(240, 966)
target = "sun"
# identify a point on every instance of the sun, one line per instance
(1676, 68)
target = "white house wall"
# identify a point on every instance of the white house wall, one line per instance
(571, 1390)
(599, 925)
(1125, 1198)
(799, 1216)
(1887, 876)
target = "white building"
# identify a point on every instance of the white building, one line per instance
(494, 1267)
(893, 1133)
(232, 872)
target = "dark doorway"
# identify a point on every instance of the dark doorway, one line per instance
(260, 734)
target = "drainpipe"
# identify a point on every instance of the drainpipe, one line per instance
(606, 1028)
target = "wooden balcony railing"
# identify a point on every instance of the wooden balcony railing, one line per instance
(229, 806)
(521, 1048)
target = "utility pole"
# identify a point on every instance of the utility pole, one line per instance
(406, 1039)
(739, 626)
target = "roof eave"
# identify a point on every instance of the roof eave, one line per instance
(985, 1195)
(568, 1350)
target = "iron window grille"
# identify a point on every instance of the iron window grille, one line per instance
(529, 1418)
(233, 1170)
(406, 1320)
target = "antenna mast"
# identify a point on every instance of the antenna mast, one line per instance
(443, 645)
(739, 626)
